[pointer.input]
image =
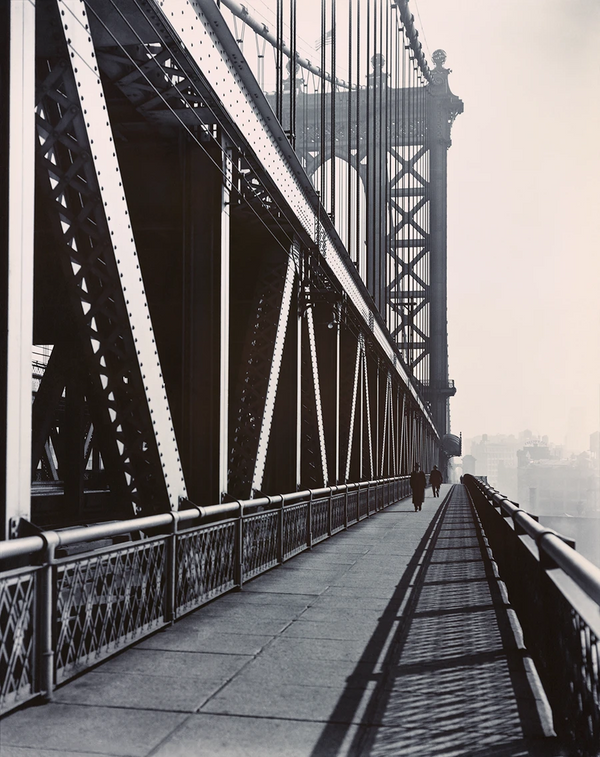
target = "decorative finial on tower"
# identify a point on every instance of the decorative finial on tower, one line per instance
(439, 58)
(378, 78)
(439, 74)
(378, 62)
(448, 104)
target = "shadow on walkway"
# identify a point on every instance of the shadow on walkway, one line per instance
(456, 679)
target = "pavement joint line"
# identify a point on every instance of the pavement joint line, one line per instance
(250, 660)
(60, 751)
(170, 735)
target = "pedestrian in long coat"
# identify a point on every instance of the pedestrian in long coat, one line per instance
(435, 479)
(418, 482)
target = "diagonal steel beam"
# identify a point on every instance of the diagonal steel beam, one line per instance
(106, 273)
(271, 393)
(317, 390)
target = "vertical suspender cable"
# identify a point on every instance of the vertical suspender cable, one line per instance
(375, 147)
(292, 65)
(410, 230)
(323, 99)
(386, 143)
(279, 63)
(368, 184)
(359, 239)
(349, 246)
(380, 158)
(404, 151)
(398, 150)
(332, 111)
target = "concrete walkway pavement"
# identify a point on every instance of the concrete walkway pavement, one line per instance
(392, 638)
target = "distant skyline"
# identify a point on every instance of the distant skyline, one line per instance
(524, 237)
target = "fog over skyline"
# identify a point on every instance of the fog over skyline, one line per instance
(523, 215)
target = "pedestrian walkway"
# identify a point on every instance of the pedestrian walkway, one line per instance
(392, 638)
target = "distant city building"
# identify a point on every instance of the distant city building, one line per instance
(547, 486)
(469, 465)
(578, 428)
(496, 458)
(595, 445)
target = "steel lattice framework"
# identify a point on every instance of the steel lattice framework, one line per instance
(202, 332)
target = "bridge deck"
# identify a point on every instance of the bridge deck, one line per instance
(393, 638)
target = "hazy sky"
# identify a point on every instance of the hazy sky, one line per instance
(524, 213)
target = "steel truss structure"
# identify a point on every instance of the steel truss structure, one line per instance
(205, 336)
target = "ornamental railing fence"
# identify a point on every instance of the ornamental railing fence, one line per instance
(556, 594)
(71, 598)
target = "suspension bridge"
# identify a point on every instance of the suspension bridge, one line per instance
(224, 344)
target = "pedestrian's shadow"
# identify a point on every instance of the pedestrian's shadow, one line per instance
(454, 681)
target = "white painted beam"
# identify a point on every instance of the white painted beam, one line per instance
(21, 177)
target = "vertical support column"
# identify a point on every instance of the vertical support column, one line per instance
(224, 322)
(368, 409)
(438, 273)
(18, 195)
(377, 451)
(338, 339)
(203, 407)
(299, 385)
(442, 108)
(361, 410)
(72, 464)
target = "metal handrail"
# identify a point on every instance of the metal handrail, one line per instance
(558, 548)
(31, 545)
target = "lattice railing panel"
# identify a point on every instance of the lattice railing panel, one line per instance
(205, 565)
(260, 543)
(338, 513)
(352, 507)
(107, 601)
(363, 499)
(294, 529)
(17, 638)
(320, 519)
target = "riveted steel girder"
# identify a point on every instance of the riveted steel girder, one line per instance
(98, 255)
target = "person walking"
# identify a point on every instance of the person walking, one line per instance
(435, 479)
(418, 482)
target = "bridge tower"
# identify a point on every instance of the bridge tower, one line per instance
(405, 263)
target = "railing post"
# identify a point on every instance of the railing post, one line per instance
(281, 532)
(47, 617)
(346, 509)
(309, 536)
(239, 538)
(368, 499)
(171, 569)
(330, 514)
